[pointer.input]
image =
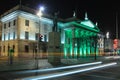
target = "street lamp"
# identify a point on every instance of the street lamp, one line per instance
(41, 9)
(39, 14)
(107, 35)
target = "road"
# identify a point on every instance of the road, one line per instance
(108, 73)
(104, 74)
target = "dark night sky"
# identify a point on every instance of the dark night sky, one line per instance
(101, 11)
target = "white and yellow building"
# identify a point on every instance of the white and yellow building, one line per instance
(19, 28)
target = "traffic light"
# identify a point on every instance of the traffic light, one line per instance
(40, 38)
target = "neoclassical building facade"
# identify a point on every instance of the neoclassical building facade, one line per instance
(20, 26)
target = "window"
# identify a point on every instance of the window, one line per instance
(4, 37)
(13, 46)
(45, 38)
(26, 48)
(45, 28)
(8, 48)
(8, 36)
(26, 22)
(3, 48)
(14, 22)
(36, 36)
(26, 35)
(13, 35)
(9, 24)
(0, 51)
(0, 38)
(5, 26)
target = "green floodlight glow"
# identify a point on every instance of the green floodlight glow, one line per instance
(65, 53)
(87, 23)
(80, 42)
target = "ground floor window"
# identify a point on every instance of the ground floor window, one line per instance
(26, 48)
(3, 48)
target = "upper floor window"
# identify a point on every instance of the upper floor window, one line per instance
(13, 35)
(36, 36)
(45, 28)
(8, 36)
(26, 22)
(45, 38)
(26, 35)
(9, 24)
(14, 22)
(5, 26)
(4, 37)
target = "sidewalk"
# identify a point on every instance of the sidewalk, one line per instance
(28, 64)
(23, 64)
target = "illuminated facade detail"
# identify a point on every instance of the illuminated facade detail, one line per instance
(101, 38)
(115, 44)
(81, 40)
(86, 17)
(107, 35)
(78, 37)
(108, 45)
(87, 23)
(111, 46)
(74, 14)
(19, 28)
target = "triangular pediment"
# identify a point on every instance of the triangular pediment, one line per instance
(88, 23)
(85, 24)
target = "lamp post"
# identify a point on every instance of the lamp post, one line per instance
(39, 14)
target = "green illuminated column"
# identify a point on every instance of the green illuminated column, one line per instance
(65, 47)
(73, 42)
(79, 42)
(68, 44)
(92, 47)
(82, 46)
(88, 46)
